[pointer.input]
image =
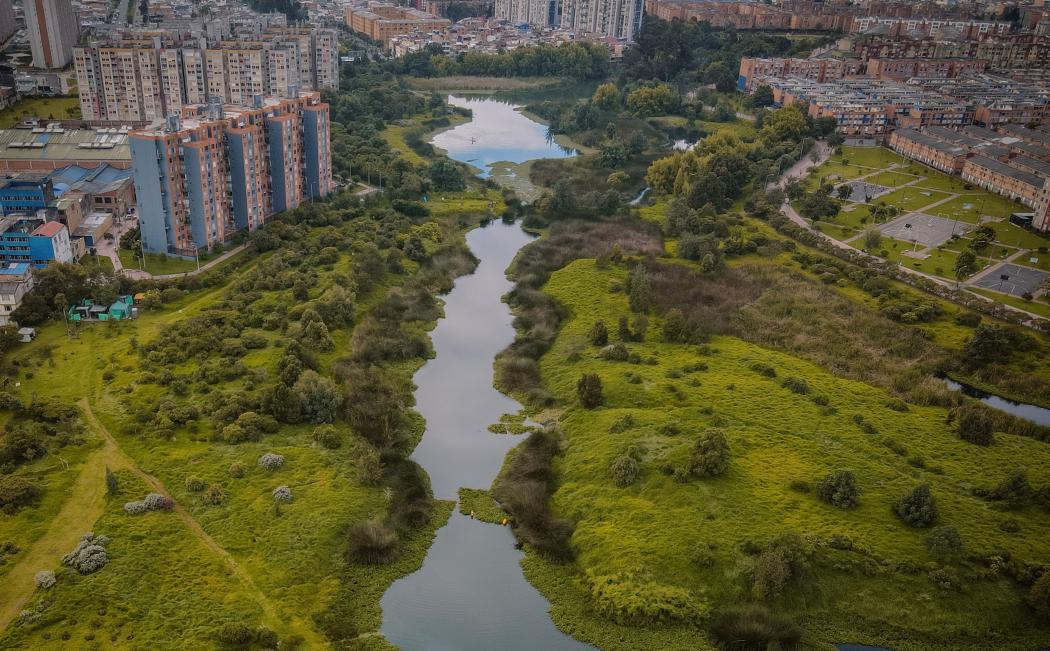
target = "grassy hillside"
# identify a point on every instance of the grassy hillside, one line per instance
(868, 578)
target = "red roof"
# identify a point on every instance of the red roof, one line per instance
(49, 229)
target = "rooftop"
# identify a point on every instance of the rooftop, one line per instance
(1007, 170)
(49, 229)
(52, 143)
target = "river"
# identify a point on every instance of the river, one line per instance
(470, 592)
(1034, 413)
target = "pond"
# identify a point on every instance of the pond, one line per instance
(470, 592)
(498, 132)
(1034, 413)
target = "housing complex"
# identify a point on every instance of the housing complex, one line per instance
(619, 19)
(381, 21)
(214, 170)
(1013, 161)
(148, 75)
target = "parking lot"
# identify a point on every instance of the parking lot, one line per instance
(926, 230)
(1013, 279)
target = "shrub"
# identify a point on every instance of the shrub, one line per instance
(158, 502)
(234, 434)
(1014, 490)
(944, 542)
(135, 508)
(839, 488)
(589, 390)
(194, 484)
(17, 492)
(372, 543)
(214, 496)
(271, 461)
(614, 353)
(238, 470)
(917, 508)
(631, 600)
(785, 559)
(235, 633)
(112, 486)
(624, 470)
(89, 555)
(1010, 525)
(369, 466)
(282, 494)
(796, 385)
(710, 456)
(599, 334)
(44, 579)
(622, 424)
(328, 437)
(975, 425)
(765, 370)
(754, 628)
(1039, 596)
(800, 486)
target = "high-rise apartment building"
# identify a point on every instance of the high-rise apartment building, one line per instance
(215, 170)
(533, 12)
(8, 25)
(149, 79)
(616, 18)
(52, 28)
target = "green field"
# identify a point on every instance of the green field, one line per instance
(910, 198)
(657, 528)
(45, 108)
(159, 264)
(971, 207)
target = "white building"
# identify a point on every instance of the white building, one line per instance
(53, 30)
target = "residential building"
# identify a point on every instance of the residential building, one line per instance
(8, 24)
(152, 75)
(939, 154)
(52, 28)
(380, 21)
(616, 18)
(25, 193)
(16, 280)
(538, 13)
(215, 170)
(32, 240)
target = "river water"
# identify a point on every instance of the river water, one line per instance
(1034, 413)
(470, 593)
(497, 132)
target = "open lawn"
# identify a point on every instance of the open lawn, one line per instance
(45, 108)
(159, 264)
(911, 198)
(890, 179)
(1040, 307)
(873, 157)
(692, 535)
(939, 262)
(972, 207)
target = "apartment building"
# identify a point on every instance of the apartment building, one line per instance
(380, 21)
(903, 69)
(217, 169)
(152, 76)
(31, 240)
(819, 70)
(532, 12)
(939, 154)
(1002, 178)
(52, 28)
(16, 280)
(615, 18)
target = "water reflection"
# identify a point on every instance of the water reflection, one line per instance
(498, 132)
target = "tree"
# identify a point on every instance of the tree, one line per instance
(650, 101)
(989, 344)
(1039, 596)
(640, 292)
(710, 456)
(624, 470)
(975, 425)
(676, 328)
(839, 488)
(965, 265)
(606, 97)
(599, 334)
(589, 390)
(1014, 489)
(944, 542)
(112, 486)
(446, 175)
(844, 192)
(763, 96)
(917, 508)
(318, 396)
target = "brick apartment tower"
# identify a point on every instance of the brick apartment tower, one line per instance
(53, 30)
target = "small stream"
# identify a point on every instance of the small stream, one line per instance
(1034, 413)
(470, 593)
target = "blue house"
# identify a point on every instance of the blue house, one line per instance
(26, 193)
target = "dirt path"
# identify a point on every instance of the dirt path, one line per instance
(86, 505)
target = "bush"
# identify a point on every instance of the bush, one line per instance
(328, 437)
(975, 425)
(1039, 596)
(215, 496)
(624, 470)
(282, 494)
(917, 508)
(614, 353)
(839, 488)
(784, 560)
(17, 492)
(238, 470)
(194, 484)
(369, 466)
(44, 579)
(1014, 490)
(89, 555)
(135, 508)
(710, 456)
(631, 600)
(944, 542)
(372, 543)
(158, 502)
(796, 385)
(754, 628)
(112, 485)
(270, 461)
(235, 633)
(765, 370)
(599, 334)
(589, 390)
